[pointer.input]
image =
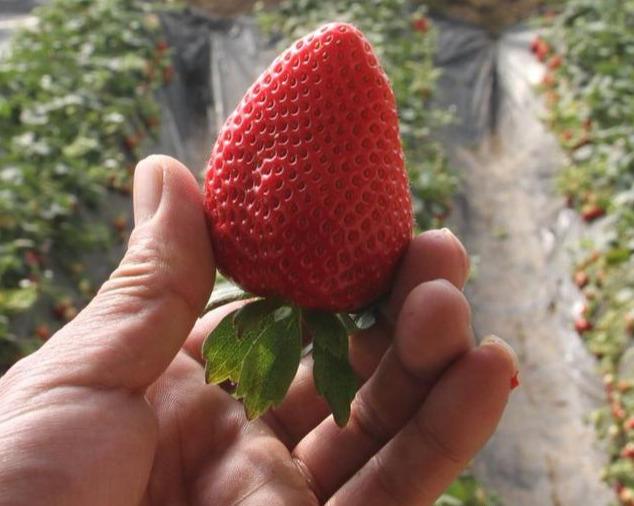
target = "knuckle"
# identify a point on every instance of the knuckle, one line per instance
(445, 298)
(439, 446)
(366, 420)
(148, 274)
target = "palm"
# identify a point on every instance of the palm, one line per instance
(207, 453)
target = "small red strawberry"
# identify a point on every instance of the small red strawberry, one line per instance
(617, 410)
(168, 74)
(581, 279)
(308, 205)
(566, 136)
(540, 48)
(628, 320)
(591, 212)
(555, 62)
(43, 331)
(582, 325)
(306, 190)
(132, 141)
(628, 451)
(161, 46)
(421, 24)
(32, 258)
(120, 223)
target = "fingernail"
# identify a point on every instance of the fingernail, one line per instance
(148, 188)
(461, 249)
(492, 340)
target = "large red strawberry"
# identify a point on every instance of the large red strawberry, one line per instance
(306, 191)
(308, 201)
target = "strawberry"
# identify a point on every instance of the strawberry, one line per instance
(566, 136)
(540, 48)
(43, 331)
(120, 223)
(168, 74)
(309, 210)
(549, 80)
(629, 322)
(581, 279)
(591, 212)
(555, 62)
(161, 46)
(582, 325)
(628, 451)
(307, 179)
(32, 259)
(421, 24)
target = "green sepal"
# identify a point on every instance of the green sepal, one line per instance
(262, 360)
(271, 364)
(348, 323)
(333, 375)
(224, 352)
(328, 330)
(251, 315)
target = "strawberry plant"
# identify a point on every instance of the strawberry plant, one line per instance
(75, 92)
(404, 40)
(590, 54)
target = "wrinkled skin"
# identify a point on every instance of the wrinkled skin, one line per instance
(113, 410)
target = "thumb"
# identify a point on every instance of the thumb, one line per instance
(138, 321)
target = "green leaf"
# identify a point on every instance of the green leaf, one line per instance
(334, 378)
(252, 314)
(270, 365)
(329, 331)
(224, 352)
(18, 299)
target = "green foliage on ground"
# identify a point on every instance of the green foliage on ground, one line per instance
(591, 108)
(75, 101)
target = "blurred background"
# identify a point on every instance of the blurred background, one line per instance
(517, 118)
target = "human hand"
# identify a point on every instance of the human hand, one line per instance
(114, 410)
